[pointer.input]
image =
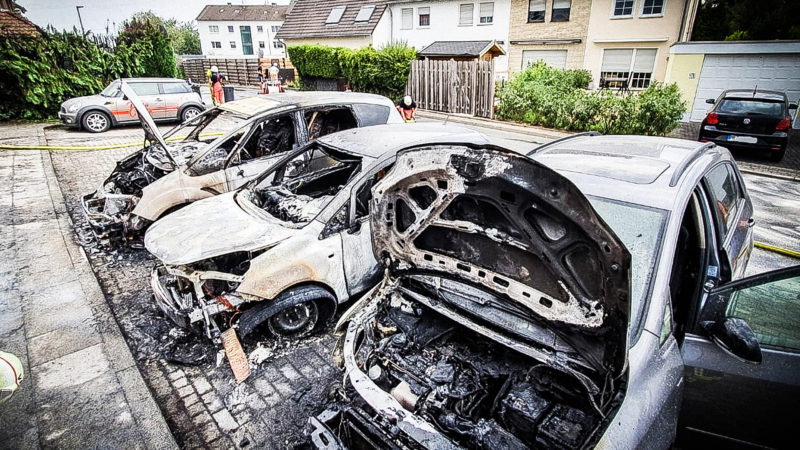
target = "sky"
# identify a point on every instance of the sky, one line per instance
(97, 14)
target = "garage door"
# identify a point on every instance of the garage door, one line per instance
(554, 58)
(779, 72)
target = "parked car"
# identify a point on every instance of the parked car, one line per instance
(750, 120)
(283, 251)
(540, 303)
(166, 99)
(218, 151)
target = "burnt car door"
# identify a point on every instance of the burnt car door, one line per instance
(267, 141)
(727, 397)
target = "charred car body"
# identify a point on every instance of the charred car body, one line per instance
(290, 245)
(547, 304)
(218, 151)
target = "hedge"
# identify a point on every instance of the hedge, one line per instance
(384, 71)
(41, 73)
(543, 95)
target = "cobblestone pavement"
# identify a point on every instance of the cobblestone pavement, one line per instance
(201, 402)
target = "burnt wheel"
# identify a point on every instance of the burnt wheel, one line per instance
(96, 121)
(295, 321)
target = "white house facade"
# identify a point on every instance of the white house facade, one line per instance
(241, 31)
(421, 23)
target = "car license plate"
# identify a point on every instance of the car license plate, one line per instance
(743, 139)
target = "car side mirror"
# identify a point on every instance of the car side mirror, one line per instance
(124, 97)
(710, 101)
(792, 105)
(354, 227)
(735, 337)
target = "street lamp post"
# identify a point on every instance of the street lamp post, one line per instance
(78, 8)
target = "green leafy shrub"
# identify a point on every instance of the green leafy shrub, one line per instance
(381, 71)
(542, 95)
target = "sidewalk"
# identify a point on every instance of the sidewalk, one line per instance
(82, 387)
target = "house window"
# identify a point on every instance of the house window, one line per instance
(536, 11)
(230, 28)
(216, 44)
(261, 44)
(277, 44)
(424, 17)
(233, 44)
(623, 8)
(487, 12)
(465, 14)
(336, 15)
(407, 21)
(259, 28)
(276, 28)
(365, 13)
(553, 58)
(213, 28)
(653, 7)
(631, 66)
(560, 11)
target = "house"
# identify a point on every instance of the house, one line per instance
(337, 23)
(13, 24)
(241, 30)
(454, 27)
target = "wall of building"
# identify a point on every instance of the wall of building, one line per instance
(444, 26)
(522, 32)
(606, 31)
(684, 70)
(225, 38)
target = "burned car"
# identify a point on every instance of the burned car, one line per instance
(544, 303)
(218, 151)
(283, 251)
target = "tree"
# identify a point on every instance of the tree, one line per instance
(149, 39)
(746, 19)
(182, 36)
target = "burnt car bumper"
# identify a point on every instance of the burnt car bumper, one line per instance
(109, 215)
(735, 139)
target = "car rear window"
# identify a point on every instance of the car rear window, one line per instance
(757, 107)
(175, 88)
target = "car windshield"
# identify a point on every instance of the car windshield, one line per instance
(112, 90)
(297, 189)
(206, 127)
(755, 107)
(641, 229)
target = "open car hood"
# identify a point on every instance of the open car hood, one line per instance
(500, 223)
(208, 228)
(151, 132)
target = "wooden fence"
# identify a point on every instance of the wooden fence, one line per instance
(462, 87)
(243, 71)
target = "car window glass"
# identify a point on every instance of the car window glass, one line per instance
(752, 107)
(145, 88)
(175, 88)
(112, 90)
(725, 195)
(772, 310)
(323, 122)
(370, 114)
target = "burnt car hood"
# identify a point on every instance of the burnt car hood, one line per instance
(502, 224)
(208, 228)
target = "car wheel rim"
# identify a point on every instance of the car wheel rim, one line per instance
(96, 122)
(295, 320)
(190, 114)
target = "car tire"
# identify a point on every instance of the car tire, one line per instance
(279, 317)
(96, 121)
(777, 156)
(189, 113)
(295, 321)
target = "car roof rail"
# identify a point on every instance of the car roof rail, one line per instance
(688, 160)
(565, 138)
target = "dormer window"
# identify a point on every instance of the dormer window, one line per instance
(237, 11)
(365, 13)
(336, 15)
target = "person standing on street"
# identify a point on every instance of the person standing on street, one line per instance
(216, 84)
(407, 108)
(273, 73)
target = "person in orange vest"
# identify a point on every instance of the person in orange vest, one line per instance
(407, 108)
(216, 86)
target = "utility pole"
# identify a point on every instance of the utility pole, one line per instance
(78, 8)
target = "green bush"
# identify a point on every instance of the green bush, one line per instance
(542, 95)
(381, 71)
(40, 73)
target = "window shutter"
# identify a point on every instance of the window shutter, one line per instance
(466, 11)
(408, 18)
(645, 60)
(617, 60)
(561, 4)
(487, 9)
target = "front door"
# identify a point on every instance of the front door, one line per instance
(247, 40)
(726, 397)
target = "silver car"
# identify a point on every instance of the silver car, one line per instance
(559, 301)
(166, 99)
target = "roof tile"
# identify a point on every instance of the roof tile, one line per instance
(241, 13)
(307, 19)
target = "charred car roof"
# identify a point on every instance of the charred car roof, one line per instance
(254, 106)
